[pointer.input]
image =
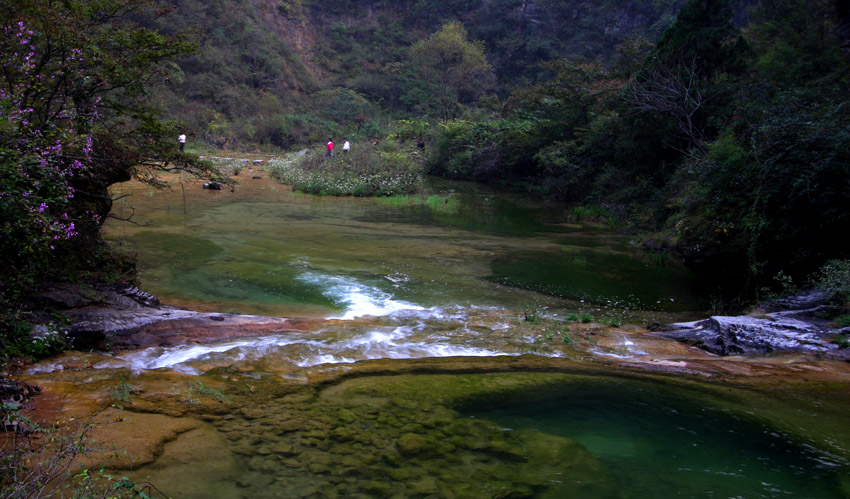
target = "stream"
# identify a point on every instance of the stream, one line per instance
(461, 347)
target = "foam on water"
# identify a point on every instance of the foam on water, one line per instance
(407, 331)
(305, 349)
(359, 300)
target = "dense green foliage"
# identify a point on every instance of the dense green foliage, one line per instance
(285, 74)
(726, 133)
(74, 119)
(733, 144)
(452, 69)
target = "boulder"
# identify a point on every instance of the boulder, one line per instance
(801, 301)
(788, 331)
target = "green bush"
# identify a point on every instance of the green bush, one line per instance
(770, 196)
(834, 278)
(18, 339)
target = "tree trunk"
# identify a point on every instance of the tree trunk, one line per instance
(842, 10)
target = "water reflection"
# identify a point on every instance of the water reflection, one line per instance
(249, 251)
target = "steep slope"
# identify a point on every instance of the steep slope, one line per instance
(258, 59)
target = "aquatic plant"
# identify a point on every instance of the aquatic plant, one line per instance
(437, 203)
(530, 314)
(583, 317)
(443, 204)
(199, 388)
(361, 172)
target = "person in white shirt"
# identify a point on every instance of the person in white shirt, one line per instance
(346, 146)
(182, 141)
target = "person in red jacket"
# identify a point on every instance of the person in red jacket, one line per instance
(330, 152)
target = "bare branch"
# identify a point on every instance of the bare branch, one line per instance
(675, 93)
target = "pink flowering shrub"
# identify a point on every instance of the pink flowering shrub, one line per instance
(38, 157)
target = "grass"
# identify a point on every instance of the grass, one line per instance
(584, 318)
(842, 320)
(595, 213)
(437, 203)
(842, 340)
(121, 393)
(198, 388)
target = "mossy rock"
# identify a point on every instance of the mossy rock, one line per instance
(425, 486)
(411, 444)
(342, 434)
(378, 488)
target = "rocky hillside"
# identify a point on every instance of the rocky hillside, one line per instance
(284, 72)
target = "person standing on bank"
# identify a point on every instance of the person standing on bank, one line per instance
(346, 146)
(330, 150)
(182, 141)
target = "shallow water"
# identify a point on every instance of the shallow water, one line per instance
(406, 280)
(497, 435)
(265, 250)
(403, 279)
(656, 443)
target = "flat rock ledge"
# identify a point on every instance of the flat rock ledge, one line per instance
(785, 331)
(125, 318)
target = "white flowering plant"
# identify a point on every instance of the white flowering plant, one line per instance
(360, 172)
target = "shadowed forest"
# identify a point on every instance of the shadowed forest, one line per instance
(716, 131)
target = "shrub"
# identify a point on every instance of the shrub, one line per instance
(41, 461)
(834, 278)
(361, 172)
(771, 195)
(18, 339)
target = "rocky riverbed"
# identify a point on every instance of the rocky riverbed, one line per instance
(255, 428)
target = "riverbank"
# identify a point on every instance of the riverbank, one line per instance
(507, 304)
(250, 426)
(336, 430)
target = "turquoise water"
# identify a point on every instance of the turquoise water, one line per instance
(655, 443)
